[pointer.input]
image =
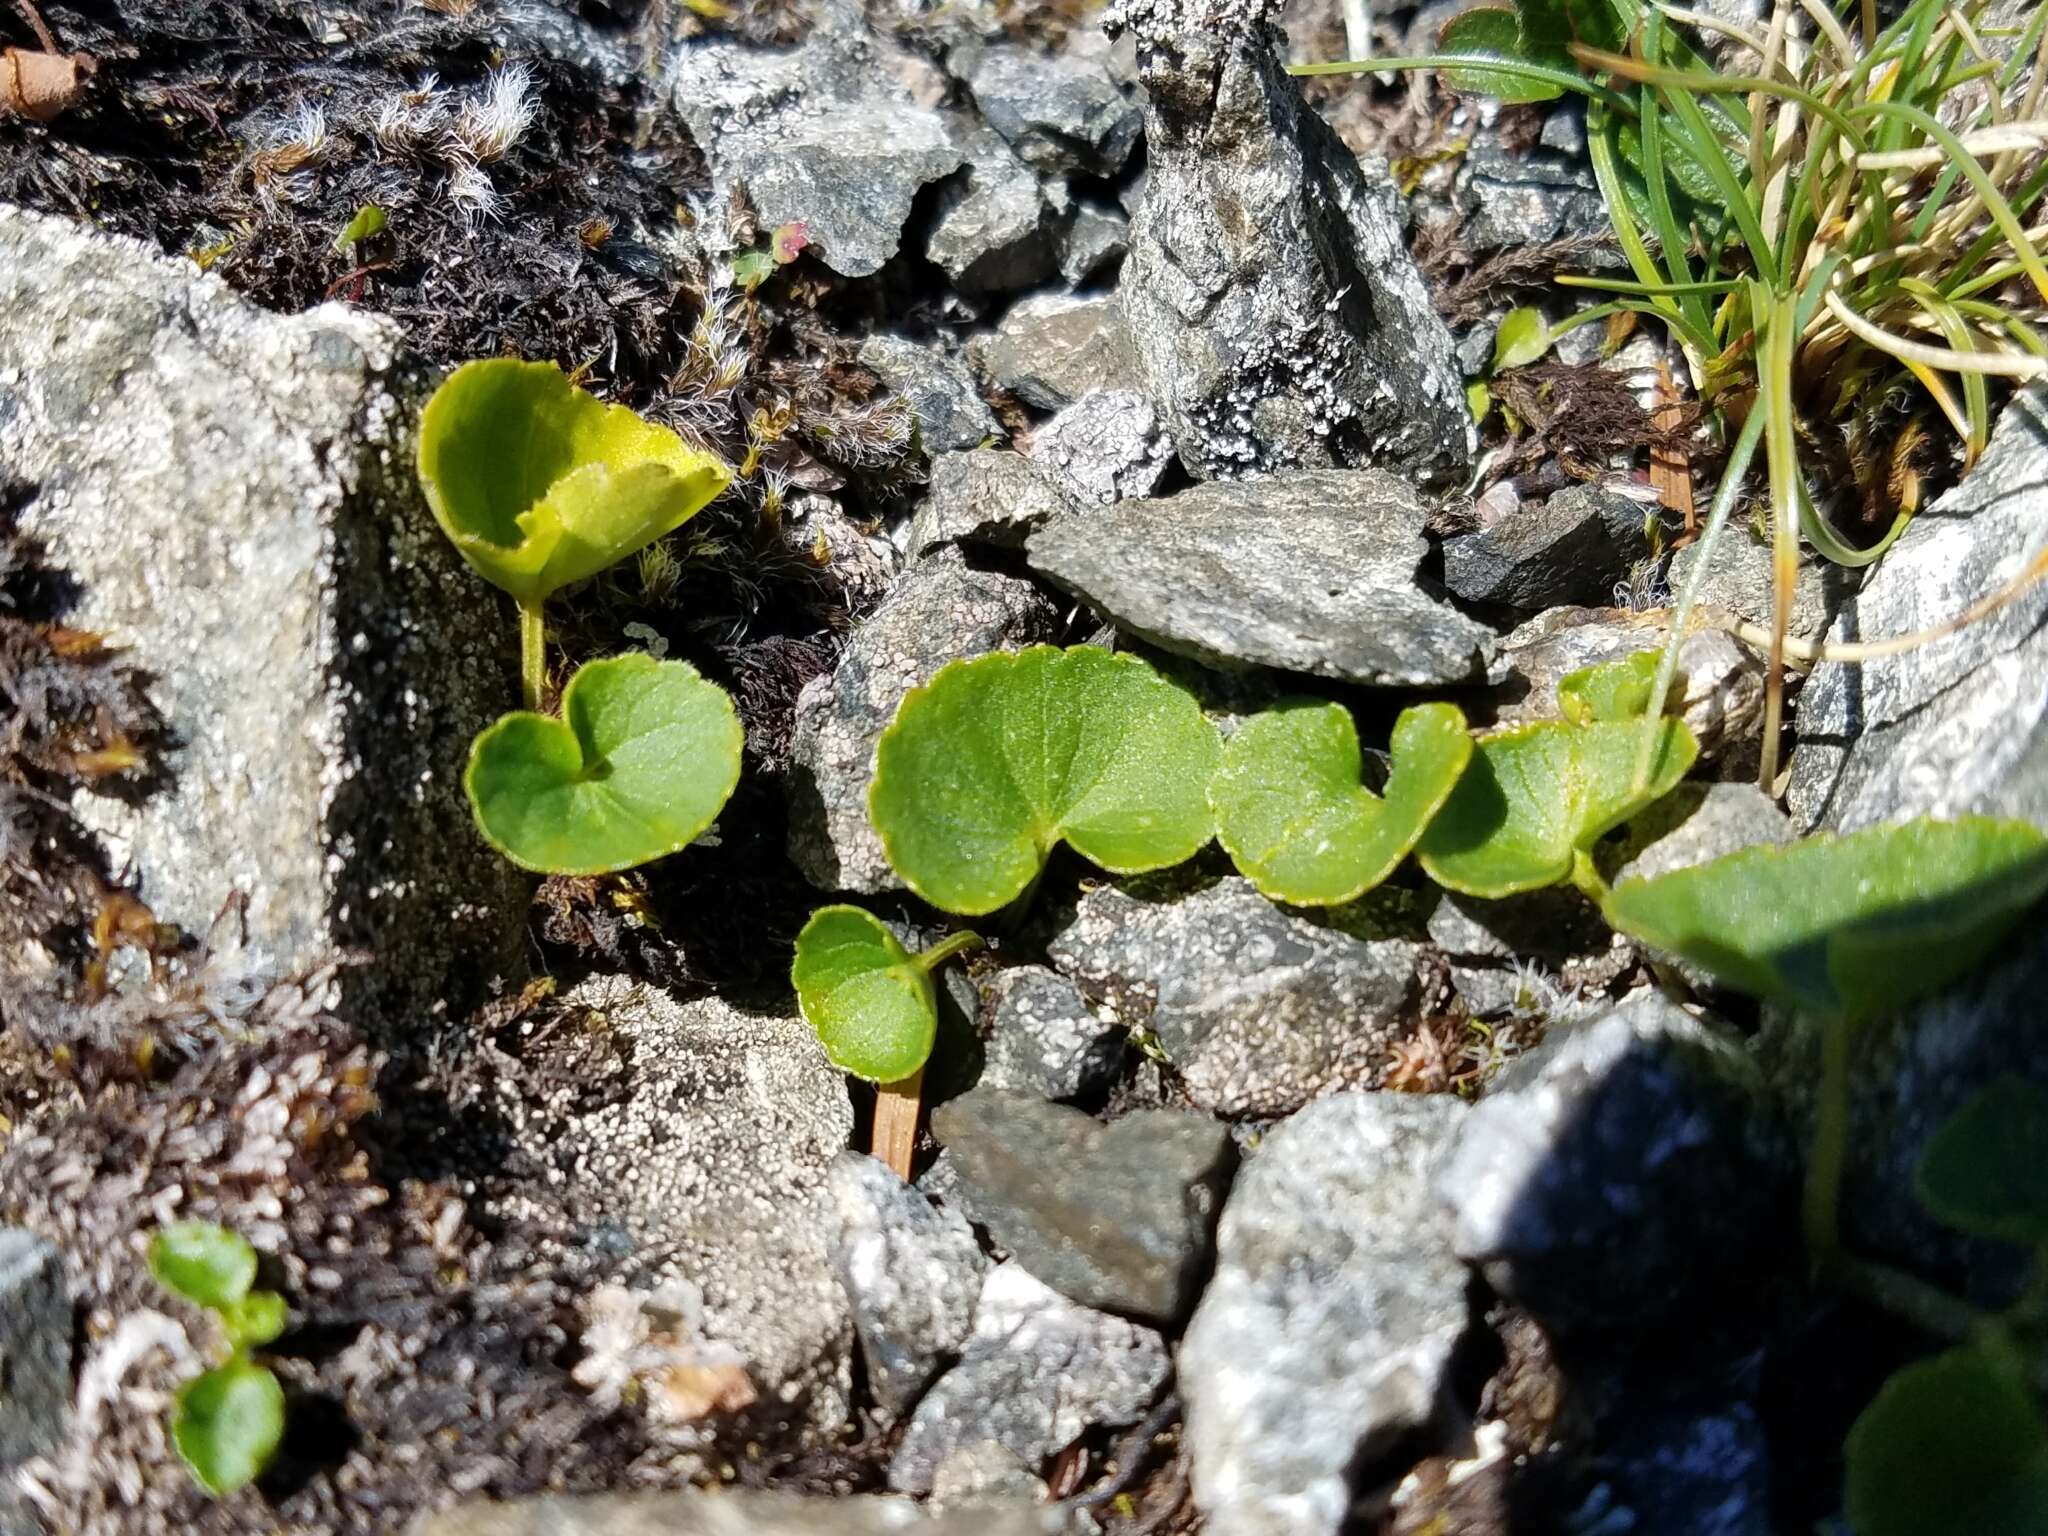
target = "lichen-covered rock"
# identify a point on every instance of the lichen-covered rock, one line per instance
(991, 231)
(1105, 447)
(233, 494)
(1045, 1037)
(1279, 318)
(951, 414)
(911, 1272)
(940, 610)
(1115, 1216)
(1258, 1010)
(1037, 1371)
(1095, 235)
(986, 496)
(1512, 200)
(1330, 1328)
(712, 1159)
(1062, 114)
(1314, 572)
(1051, 349)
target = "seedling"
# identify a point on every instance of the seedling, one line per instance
(1295, 819)
(874, 1007)
(226, 1422)
(998, 759)
(540, 484)
(644, 757)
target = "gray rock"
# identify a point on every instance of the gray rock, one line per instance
(1313, 572)
(1510, 200)
(950, 411)
(1331, 1325)
(1961, 724)
(1278, 316)
(1705, 1471)
(975, 1472)
(1570, 548)
(1036, 1372)
(1062, 114)
(1551, 925)
(939, 611)
(1116, 1216)
(713, 1160)
(36, 1326)
(1718, 692)
(1105, 447)
(864, 564)
(1698, 823)
(825, 133)
(233, 492)
(911, 1272)
(1258, 1010)
(1052, 349)
(1046, 1039)
(1739, 582)
(732, 1512)
(991, 234)
(986, 496)
(1620, 1169)
(1564, 129)
(1095, 236)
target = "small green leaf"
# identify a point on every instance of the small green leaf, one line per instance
(1845, 927)
(1494, 32)
(1985, 1171)
(203, 1262)
(366, 225)
(750, 269)
(870, 999)
(1537, 796)
(255, 1320)
(998, 759)
(1291, 811)
(1478, 399)
(646, 754)
(1614, 690)
(227, 1424)
(1950, 1445)
(1524, 336)
(540, 484)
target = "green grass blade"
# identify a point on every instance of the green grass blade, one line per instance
(1569, 80)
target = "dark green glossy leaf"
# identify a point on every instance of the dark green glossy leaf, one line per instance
(1492, 32)
(1615, 690)
(1845, 927)
(227, 1424)
(644, 758)
(870, 1000)
(1985, 1170)
(203, 1262)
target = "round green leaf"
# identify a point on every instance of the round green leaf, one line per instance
(998, 759)
(1493, 32)
(203, 1262)
(227, 1424)
(1537, 796)
(540, 484)
(1845, 927)
(1985, 1170)
(1614, 690)
(255, 1320)
(645, 756)
(870, 999)
(1950, 1445)
(1293, 816)
(1524, 334)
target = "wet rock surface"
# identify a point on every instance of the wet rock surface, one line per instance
(1117, 1217)
(1257, 1010)
(1046, 1038)
(242, 511)
(1332, 1324)
(1311, 573)
(1037, 1370)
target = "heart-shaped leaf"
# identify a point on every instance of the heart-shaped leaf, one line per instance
(1494, 32)
(1845, 927)
(644, 757)
(870, 1000)
(999, 758)
(541, 484)
(1293, 816)
(1949, 1445)
(227, 1424)
(1537, 797)
(1985, 1171)
(1614, 690)
(203, 1262)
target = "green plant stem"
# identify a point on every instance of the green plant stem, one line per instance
(1928, 1307)
(533, 658)
(1824, 1163)
(945, 950)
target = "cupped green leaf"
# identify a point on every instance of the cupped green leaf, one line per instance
(998, 759)
(1614, 690)
(1523, 337)
(870, 999)
(255, 1320)
(540, 484)
(1493, 32)
(227, 1424)
(1845, 927)
(1292, 814)
(203, 1262)
(1536, 797)
(645, 756)
(1949, 1445)
(1985, 1170)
